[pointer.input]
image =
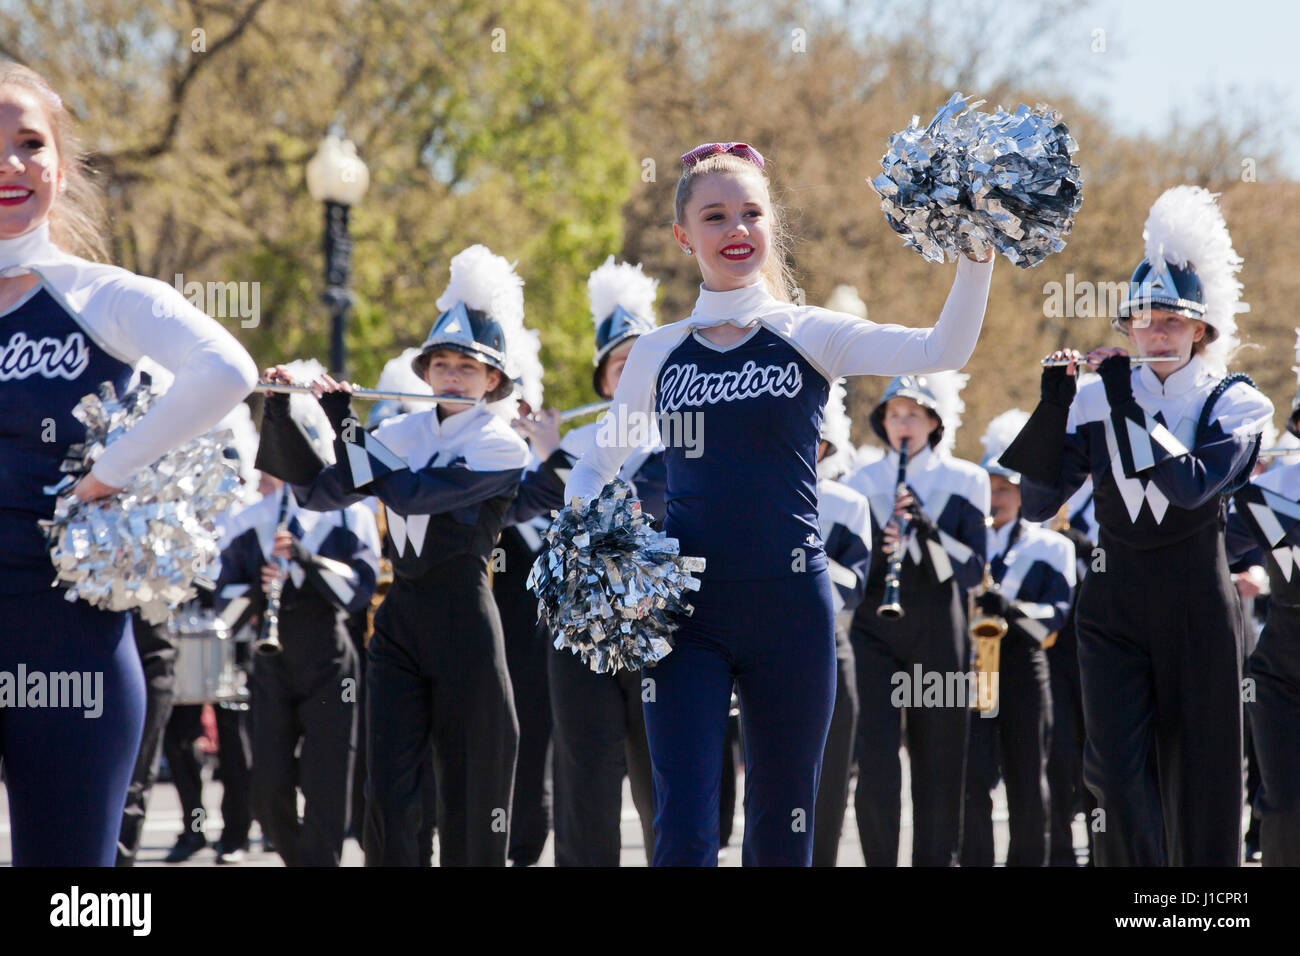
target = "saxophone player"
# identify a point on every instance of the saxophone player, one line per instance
(1030, 577)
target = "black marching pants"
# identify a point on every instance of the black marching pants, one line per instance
(436, 671)
(932, 636)
(158, 657)
(1065, 753)
(598, 739)
(1159, 660)
(305, 695)
(1275, 719)
(528, 644)
(837, 756)
(1014, 739)
(234, 755)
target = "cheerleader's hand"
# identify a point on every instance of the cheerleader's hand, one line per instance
(541, 430)
(1059, 382)
(988, 254)
(90, 488)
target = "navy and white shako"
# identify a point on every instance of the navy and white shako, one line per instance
(622, 308)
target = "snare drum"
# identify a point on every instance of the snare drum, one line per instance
(206, 670)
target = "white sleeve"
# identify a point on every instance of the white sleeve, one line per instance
(137, 316)
(846, 345)
(631, 411)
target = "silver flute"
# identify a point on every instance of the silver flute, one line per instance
(582, 411)
(1278, 452)
(1132, 360)
(372, 395)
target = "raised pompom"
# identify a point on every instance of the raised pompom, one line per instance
(970, 181)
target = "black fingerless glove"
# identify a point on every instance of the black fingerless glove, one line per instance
(1057, 387)
(338, 409)
(919, 521)
(276, 405)
(993, 603)
(1117, 379)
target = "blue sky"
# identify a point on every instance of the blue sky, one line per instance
(1163, 56)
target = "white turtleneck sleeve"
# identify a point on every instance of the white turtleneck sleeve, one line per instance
(138, 316)
(847, 345)
(130, 317)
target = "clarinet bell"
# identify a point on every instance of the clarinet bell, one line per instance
(891, 611)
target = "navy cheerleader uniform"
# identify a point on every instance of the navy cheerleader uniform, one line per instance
(844, 519)
(1034, 571)
(745, 499)
(944, 558)
(83, 323)
(300, 696)
(1266, 521)
(1160, 630)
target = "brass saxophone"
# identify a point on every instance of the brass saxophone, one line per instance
(986, 633)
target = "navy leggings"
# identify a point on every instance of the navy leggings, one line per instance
(776, 639)
(67, 772)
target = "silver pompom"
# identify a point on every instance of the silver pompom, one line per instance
(607, 583)
(146, 546)
(970, 181)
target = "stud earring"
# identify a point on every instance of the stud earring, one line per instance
(690, 251)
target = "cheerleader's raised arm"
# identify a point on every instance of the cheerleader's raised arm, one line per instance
(835, 342)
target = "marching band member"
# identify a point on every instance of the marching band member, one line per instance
(945, 504)
(436, 664)
(1164, 443)
(1264, 523)
(396, 376)
(1065, 783)
(754, 371)
(304, 705)
(844, 520)
(599, 731)
(1032, 574)
(67, 324)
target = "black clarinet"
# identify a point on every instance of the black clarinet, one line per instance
(892, 606)
(269, 640)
